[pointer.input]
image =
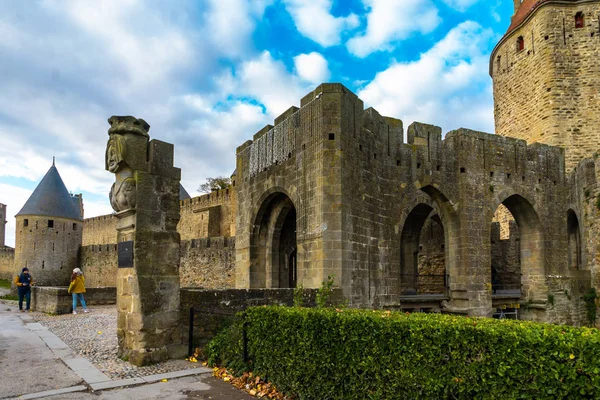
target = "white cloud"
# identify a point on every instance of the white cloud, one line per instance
(312, 67)
(314, 20)
(230, 23)
(389, 21)
(448, 86)
(268, 81)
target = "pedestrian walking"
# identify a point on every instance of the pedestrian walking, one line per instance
(77, 289)
(23, 283)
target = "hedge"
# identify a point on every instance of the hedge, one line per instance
(366, 354)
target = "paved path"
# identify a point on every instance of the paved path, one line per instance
(35, 363)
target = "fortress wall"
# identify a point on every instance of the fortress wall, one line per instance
(100, 230)
(547, 92)
(7, 259)
(99, 264)
(205, 263)
(208, 263)
(209, 215)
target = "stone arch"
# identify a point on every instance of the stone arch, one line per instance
(574, 240)
(431, 205)
(273, 242)
(531, 243)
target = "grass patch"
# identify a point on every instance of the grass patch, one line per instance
(4, 283)
(9, 297)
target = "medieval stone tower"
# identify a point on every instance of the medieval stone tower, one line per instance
(2, 225)
(546, 74)
(49, 232)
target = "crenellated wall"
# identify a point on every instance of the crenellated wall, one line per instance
(208, 263)
(99, 264)
(360, 197)
(100, 230)
(7, 259)
(210, 215)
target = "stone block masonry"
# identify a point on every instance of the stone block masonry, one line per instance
(208, 263)
(355, 199)
(7, 259)
(546, 91)
(2, 225)
(145, 196)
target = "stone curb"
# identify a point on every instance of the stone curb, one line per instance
(48, 393)
(93, 377)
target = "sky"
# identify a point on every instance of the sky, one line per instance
(208, 74)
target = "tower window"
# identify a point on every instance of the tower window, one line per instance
(25, 222)
(50, 223)
(74, 226)
(520, 43)
(498, 59)
(579, 20)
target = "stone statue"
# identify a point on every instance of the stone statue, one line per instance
(125, 152)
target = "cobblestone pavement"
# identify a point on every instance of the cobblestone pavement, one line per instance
(94, 336)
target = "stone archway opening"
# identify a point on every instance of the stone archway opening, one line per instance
(505, 254)
(273, 247)
(517, 267)
(574, 243)
(423, 253)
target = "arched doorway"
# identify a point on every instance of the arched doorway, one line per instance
(273, 246)
(519, 271)
(574, 255)
(422, 253)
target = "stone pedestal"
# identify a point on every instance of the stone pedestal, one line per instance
(146, 198)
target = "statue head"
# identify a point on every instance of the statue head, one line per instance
(115, 152)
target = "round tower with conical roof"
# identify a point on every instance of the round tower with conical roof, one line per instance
(546, 74)
(49, 232)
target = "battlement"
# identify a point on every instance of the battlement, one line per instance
(100, 218)
(7, 251)
(208, 243)
(208, 200)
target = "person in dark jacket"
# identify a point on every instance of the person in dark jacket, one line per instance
(23, 283)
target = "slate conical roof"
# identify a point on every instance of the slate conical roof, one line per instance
(51, 198)
(183, 194)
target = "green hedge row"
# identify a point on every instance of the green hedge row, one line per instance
(365, 354)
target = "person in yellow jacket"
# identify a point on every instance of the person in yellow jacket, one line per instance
(77, 289)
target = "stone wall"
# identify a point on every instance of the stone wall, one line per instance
(7, 259)
(548, 92)
(209, 215)
(361, 197)
(100, 230)
(208, 263)
(99, 264)
(214, 308)
(2, 225)
(56, 300)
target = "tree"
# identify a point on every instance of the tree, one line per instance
(219, 182)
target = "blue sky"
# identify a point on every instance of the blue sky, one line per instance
(207, 74)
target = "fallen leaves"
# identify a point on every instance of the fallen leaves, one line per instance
(253, 385)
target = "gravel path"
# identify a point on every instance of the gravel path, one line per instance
(94, 336)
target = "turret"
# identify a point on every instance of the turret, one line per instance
(545, 76)
(49, 232)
